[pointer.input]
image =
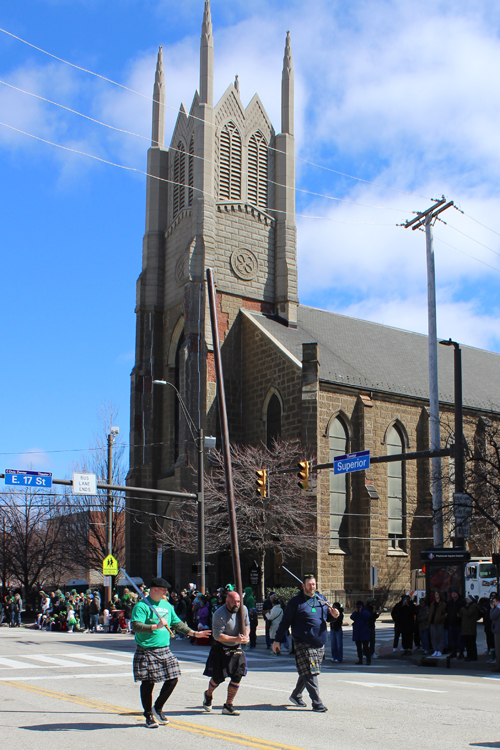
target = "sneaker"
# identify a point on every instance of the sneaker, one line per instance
(435, 653)
(297, 701)
(230, 710)
(151, 722)
(207, 701)
(438, 653)
(320, 708)
(160, 717)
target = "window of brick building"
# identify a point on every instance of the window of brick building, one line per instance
(396, 490)
(179, 178)
(339, 486)
(257, 170)
(273, 421)
(230, 163)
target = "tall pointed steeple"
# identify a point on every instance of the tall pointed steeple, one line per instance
(207, 58)
(287, 89)
(158, 131)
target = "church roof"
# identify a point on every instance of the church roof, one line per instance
(376, 357)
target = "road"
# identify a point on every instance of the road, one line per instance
(79, 688)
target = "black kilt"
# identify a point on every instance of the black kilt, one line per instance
(308, 658)
(225, 662)
(155, 665)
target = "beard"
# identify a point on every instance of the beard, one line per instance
(234, 608)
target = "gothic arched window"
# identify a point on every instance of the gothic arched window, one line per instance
(179, 178)
(339, 526)
(230, 163)
(191, 171)
(395, 490)
(273, 420)
(257, 170)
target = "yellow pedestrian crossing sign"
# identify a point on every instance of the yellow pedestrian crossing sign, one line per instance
(109, 566)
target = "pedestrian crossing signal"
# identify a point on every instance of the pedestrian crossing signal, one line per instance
(303, 475)
(261, 483)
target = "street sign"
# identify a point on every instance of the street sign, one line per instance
(108, 581)
(109, 566)
(84, 484)
(35, 479)
(359, 461)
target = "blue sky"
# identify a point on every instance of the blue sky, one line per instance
(401, 100)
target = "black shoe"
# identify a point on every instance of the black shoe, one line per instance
(160, 717)
(360, 661)
(460, 655)
(297, 701)
(207, 702)
(320, 708)
(230, 710)
(151, 722)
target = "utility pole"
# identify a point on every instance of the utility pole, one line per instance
(108, 591)
(427, 218)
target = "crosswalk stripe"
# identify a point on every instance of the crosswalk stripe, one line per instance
(55, 661)
(13, 664)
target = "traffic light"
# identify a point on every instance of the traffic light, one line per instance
(261, 483)
(303, 475)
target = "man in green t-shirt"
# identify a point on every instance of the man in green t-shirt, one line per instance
(153, 660)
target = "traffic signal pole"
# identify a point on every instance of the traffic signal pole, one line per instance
(226, 448)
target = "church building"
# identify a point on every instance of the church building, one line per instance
(222, 195)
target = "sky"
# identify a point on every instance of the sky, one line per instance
(394, 108)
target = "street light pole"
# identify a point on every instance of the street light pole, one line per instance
(197, 433)
(109, 509)
(459, 432)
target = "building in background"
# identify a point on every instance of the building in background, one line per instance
(222, 195)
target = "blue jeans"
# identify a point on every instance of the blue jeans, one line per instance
(424, 640)
(455, 640)
(94, 622)
(337, 643)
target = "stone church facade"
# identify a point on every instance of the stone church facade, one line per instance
(222, 195)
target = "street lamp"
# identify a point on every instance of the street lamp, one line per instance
(114, 431)
(459, 435)
(198, 437)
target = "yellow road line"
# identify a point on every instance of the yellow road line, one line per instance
(186, 726)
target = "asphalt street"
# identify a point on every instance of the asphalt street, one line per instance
(62, 690)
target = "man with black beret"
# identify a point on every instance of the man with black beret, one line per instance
(153, 660)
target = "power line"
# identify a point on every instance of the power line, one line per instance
(195, 156)
(173, 182)
(473, 257)
(177, 109)
(477, 222)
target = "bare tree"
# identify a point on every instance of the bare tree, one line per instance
(285, 521)
(481, 503)
(86, 516)
(34, 527)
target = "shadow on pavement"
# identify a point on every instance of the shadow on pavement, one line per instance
(80, 726)
(484, 744)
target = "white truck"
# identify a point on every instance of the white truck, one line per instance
(480, 579)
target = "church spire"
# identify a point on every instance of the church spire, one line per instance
(207, 58)
(158, 132)
(287, 89)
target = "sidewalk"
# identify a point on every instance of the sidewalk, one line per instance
(385, 652)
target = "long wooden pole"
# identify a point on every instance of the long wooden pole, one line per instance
(226, 449)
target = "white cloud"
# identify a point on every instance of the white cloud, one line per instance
(34, 459)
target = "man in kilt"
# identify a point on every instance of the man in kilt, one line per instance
(307, 614)
(226, 657)
(153, 660)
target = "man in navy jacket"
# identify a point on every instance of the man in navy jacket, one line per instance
(361, 632)
(307, 614)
